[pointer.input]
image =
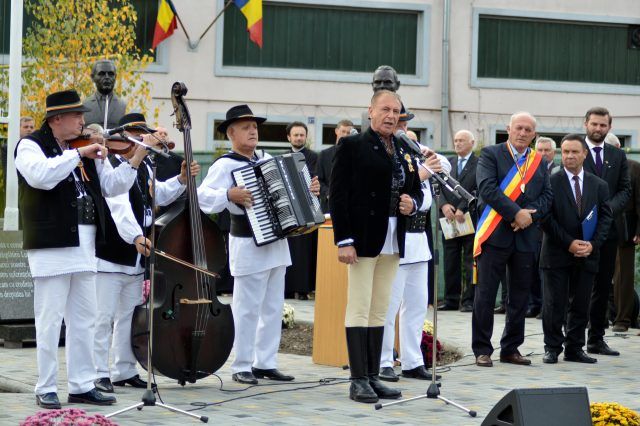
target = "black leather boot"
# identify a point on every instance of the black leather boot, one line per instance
(374, 350)
(360, 389)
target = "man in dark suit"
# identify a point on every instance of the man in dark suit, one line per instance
(569, 258)
(300, 279)
(610, 164)
(374, 188)
(505, 238)
(628, 227)
(547, 148)
(458, 252)
(325, 163)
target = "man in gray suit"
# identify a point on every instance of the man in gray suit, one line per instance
(103, 74)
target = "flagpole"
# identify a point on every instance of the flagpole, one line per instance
(194, 45)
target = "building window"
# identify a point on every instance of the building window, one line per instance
(552, 50)
(324, 38)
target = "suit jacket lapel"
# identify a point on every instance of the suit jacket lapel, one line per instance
(566, 186)
(467, 166)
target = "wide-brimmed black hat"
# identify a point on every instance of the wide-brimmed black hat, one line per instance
(239, 112)
(404, 114)
(64, 101)
(135, 121)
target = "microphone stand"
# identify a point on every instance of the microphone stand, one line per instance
(148, 397)
(433, 391)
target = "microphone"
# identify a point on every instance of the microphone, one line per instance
(401, 134)
(353, 131)
(110, 132)
(442, 177)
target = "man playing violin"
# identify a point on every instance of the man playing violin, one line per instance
(258, 271)
(120, 257)
(60, 200)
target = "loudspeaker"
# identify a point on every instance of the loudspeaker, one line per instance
(541, 407)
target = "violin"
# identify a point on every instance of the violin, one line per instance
(113, 145)
(116, 144)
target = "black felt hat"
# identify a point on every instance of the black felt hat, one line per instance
(64, 101)
(239, 112)
(404, 114)
(135, 121)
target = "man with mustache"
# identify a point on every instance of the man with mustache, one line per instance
(609, 163)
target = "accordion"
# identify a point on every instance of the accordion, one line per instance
(282, 206)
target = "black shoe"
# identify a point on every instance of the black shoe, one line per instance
(104, 385)
(601, 348)
(92, 397)
(134, 381)
(550, 357)
(361, 391)
(271, 374)
(245, 377)
(445, 307)
(500, 310)
(579, 356)
(466, 308)
(419, 373)
(388, 375)
(383, 391)
(48, 400)
(532, 312)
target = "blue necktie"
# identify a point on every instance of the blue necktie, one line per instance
(460, 165)
(597, 150)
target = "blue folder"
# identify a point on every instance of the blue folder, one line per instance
(589, 224)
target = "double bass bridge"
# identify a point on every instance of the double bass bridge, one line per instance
(200, 301)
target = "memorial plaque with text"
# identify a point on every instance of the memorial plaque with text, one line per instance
(16, 286)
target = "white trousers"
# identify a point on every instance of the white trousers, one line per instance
(117, 295)
(257, 316)
(408, 294)
(72, 297)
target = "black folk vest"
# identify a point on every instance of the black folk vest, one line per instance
(50, 217)
(114, 249)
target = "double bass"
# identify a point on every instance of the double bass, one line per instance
(192, 330)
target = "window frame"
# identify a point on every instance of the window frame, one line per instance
(550, 86)
(421, 78)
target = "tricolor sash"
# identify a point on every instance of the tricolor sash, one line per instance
(510, 186)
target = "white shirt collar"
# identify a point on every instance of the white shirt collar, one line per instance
(593, 145)
(571, 175)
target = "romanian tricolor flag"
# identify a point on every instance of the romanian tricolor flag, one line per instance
(166, 22)
(252, 10)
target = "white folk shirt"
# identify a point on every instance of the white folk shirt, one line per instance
(45, 173)
(245, 257)
(416, 246)
(128, 228)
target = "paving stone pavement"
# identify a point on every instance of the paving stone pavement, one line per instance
(611, 379)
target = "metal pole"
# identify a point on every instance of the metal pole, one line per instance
(444, 110)
(15, 91)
